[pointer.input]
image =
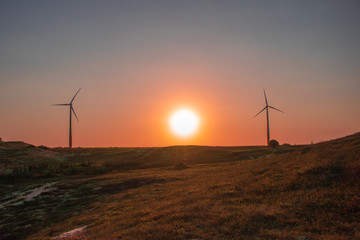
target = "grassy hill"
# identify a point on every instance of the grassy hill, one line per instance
(182, 192)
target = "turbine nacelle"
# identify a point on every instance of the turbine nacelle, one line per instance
(267, 106)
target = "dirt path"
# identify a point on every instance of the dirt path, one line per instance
(24, 195)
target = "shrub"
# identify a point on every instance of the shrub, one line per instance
(273, 143)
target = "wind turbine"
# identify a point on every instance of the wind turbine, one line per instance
(71, 111)
(267, 116)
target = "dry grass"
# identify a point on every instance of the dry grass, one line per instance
(310, 192)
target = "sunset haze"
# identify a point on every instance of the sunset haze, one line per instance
(138, 62)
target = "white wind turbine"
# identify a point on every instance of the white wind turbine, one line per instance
(71, 112)
(267, 116)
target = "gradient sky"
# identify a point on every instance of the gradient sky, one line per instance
(138, 61)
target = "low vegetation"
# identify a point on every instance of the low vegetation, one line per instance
(181, 192)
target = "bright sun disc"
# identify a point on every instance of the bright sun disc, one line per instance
(184, 122)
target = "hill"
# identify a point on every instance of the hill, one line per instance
(183, 192)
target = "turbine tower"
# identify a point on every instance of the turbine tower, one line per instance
(71, 111)
(267, 116)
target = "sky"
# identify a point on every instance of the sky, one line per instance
(139, 61)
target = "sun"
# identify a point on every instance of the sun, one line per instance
(184, 122)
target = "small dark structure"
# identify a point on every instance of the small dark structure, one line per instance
(273, 143)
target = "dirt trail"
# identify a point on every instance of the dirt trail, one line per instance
(20, 197)
(70, 233)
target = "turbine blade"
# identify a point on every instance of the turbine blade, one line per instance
(72, 109)
(276, 109)
(64, 104)
(75, 96)
(260, 111)
(265, 98)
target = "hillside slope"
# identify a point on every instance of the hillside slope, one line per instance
(310, 192)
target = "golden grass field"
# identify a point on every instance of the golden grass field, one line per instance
(181, 192)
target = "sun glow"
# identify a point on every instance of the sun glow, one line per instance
(184, 122)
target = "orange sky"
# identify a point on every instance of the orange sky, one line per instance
(139, 62)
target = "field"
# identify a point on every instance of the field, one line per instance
(181, 192)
